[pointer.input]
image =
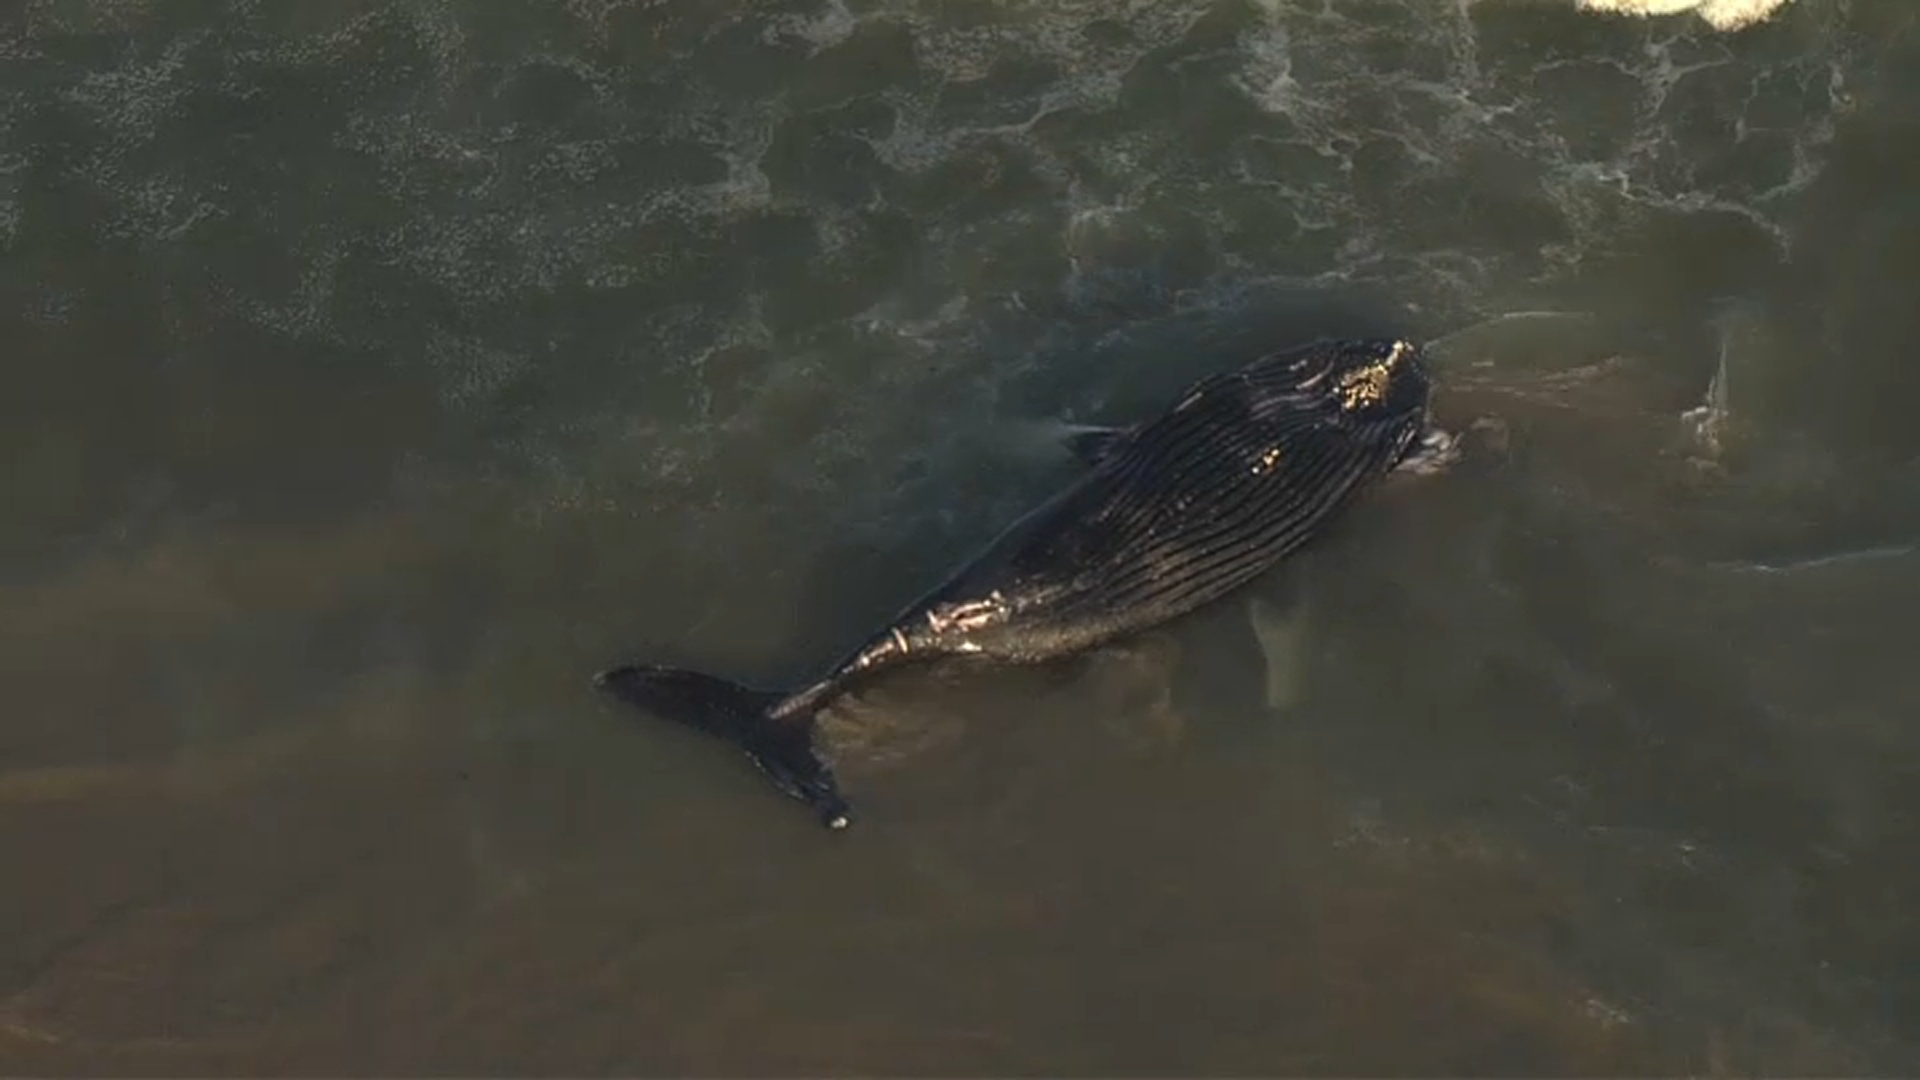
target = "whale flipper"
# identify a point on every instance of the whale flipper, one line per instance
(782, 746)
(1281, 628)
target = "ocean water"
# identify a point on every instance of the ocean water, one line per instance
(376, 372)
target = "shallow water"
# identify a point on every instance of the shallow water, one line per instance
(378, 372)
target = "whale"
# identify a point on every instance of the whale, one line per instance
(1168, 515)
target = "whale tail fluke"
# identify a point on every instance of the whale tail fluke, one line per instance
(782, 746)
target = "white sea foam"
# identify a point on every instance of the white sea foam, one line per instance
(1720, 14)
(1079, 182)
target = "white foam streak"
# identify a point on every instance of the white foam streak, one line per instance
(1719, 14)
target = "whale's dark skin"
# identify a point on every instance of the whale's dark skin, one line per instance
(1174, 513)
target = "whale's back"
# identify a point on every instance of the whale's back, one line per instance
(1186, 508)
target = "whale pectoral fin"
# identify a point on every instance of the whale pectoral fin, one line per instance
(1281, 630)
(1093, 445)
(1517, 343)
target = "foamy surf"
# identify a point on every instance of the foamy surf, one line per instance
(1720, 14)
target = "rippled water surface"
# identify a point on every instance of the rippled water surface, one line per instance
(377, 371)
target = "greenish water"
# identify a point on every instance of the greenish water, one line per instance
(376, 372)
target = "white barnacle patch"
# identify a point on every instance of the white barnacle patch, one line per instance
(1436, 452)
(894, 643)
(970, 615)
(1368, 385)
(1363, 386)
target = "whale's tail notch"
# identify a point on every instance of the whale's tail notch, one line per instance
(781, 745)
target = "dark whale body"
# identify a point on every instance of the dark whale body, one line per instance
(1175, 512)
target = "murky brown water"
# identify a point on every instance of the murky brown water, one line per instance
(377, 373)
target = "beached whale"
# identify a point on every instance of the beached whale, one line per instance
(1173, 513)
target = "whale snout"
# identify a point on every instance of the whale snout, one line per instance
(1378, 379)
(1373, 387)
